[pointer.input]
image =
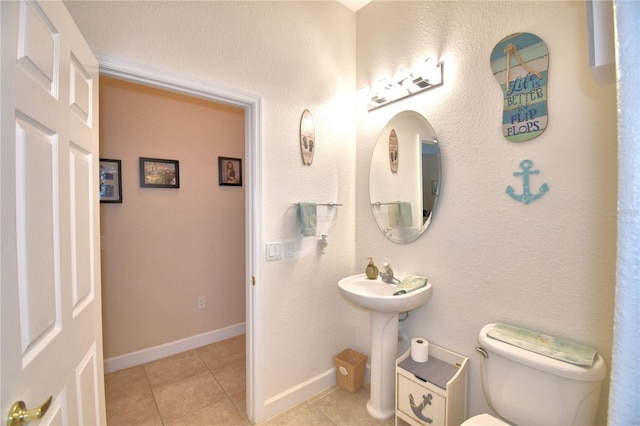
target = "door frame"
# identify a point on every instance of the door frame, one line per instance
(252, 104)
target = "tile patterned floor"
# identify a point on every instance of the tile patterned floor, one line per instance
(206, 386)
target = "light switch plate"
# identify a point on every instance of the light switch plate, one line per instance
(274, 251)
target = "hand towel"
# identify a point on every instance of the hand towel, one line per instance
(410, 283)
(552, 347)
(394, 213)
(406, 220)
(308, 218)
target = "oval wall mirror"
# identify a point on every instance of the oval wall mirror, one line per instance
(403, 201)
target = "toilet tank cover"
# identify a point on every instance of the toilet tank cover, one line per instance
(552, 347)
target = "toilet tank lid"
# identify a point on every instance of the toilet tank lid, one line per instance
(597, 370)
(543, 344)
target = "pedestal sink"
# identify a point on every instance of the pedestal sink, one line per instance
(384, 308)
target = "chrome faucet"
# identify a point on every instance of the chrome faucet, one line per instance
(387, 274)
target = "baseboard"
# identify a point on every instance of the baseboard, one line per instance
(296, 395)
(157, 352)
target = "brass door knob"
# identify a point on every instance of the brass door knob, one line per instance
(19, 415)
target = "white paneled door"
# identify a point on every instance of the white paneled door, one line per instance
(51, 305)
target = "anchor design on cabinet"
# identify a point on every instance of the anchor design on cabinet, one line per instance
(417, 409)
(526, 197)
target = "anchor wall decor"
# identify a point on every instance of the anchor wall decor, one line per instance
(526, 197)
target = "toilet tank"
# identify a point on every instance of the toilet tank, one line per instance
(527, 388)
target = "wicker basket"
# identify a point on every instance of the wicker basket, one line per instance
(350, 366)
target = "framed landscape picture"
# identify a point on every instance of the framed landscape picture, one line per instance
(110, 181)
(158, 173)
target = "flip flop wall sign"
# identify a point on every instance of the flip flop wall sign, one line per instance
(393, 151)
(520, 63)
(307, 137)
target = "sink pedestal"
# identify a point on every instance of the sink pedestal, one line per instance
(384, 350)
(384, 309)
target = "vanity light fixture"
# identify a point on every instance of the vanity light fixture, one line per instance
(406, 83)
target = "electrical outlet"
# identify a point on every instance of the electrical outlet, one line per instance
(289, 249)
(201, 302)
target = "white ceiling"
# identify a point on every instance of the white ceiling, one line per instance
(354, 4)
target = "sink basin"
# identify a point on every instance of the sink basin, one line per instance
(384, 309)
(377, 296)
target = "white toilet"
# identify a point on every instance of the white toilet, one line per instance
(540, 385)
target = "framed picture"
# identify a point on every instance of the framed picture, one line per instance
(110, 181)
(158, 173)
(230, 171)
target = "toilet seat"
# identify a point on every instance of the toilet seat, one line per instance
(484, 420)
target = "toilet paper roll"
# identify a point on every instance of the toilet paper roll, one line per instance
(419, 349)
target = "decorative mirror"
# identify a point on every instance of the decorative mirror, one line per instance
(403, 202)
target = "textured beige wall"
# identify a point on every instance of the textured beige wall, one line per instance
(295, 55)
(549, 265)
(163, 248)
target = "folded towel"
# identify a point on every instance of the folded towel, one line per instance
(394, 212)
(308, 218)
(404, 208)
(552, 347)
(410, 283)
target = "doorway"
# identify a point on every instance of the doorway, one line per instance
(251, 104)
(174, 243)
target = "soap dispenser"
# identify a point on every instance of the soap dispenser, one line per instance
(372, 270)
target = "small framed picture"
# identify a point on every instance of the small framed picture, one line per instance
(110, 181)
(230, 171)
(158, 173)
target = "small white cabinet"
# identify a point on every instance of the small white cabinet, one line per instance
(434, 392)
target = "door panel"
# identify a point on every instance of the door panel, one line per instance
(37, 241)
(82, 257)
(38, 46)
(51, 304)
(80, 91)
(88, 397)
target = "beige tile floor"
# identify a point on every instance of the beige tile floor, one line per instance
(206, 386)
